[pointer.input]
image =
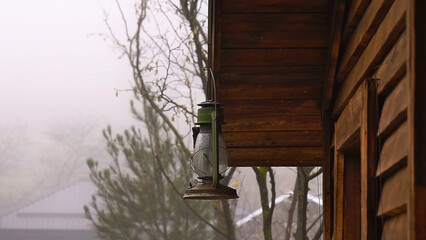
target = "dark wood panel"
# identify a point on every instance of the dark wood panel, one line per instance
(394, 150)
(283, 156)
(274, 6)
(302, 90)
(271, 74)
(263, 39)
(417, 73)
(396, 228)
(273, 139)
(333, 54)
(271, 107)
(393, 199)
(271, 123)
(352, 198)
(394, 109)
(274, 22)
(272, 57)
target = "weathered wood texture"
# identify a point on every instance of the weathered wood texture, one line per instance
(375, 44)
(394, 109)
(394, 195)
(355, 12)
(393, 67)
(394, 151)
(395, 228)
(333, 54)
(377, 48)
(349, 122)
(362, 35)
(270, 59)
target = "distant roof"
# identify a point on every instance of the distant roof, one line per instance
(61, 209)
(278, 200)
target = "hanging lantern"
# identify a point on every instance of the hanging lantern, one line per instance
(210, 158)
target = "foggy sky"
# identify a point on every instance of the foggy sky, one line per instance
(54, 66)
(56, 74)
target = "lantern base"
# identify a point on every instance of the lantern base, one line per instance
(206, 191)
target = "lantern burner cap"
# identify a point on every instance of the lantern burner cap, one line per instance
(209, 103)
(206, 191)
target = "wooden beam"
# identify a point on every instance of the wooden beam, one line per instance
(364, 31)
(333, 53)
(349, 121)
(384, 38)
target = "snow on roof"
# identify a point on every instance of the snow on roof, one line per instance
(278, 200)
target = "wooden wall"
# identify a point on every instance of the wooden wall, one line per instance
(375, 46)
(269, 62)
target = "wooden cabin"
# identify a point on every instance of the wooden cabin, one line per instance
(333, 83)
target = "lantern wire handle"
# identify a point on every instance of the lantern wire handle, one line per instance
(215, 139)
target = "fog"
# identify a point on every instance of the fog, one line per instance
(57, 77)
(58, 80)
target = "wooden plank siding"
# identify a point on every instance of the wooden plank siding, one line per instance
(270, 62)
(383, 40)
(395, 228)
(375, 47)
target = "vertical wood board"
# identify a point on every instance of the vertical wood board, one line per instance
(349, 121)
